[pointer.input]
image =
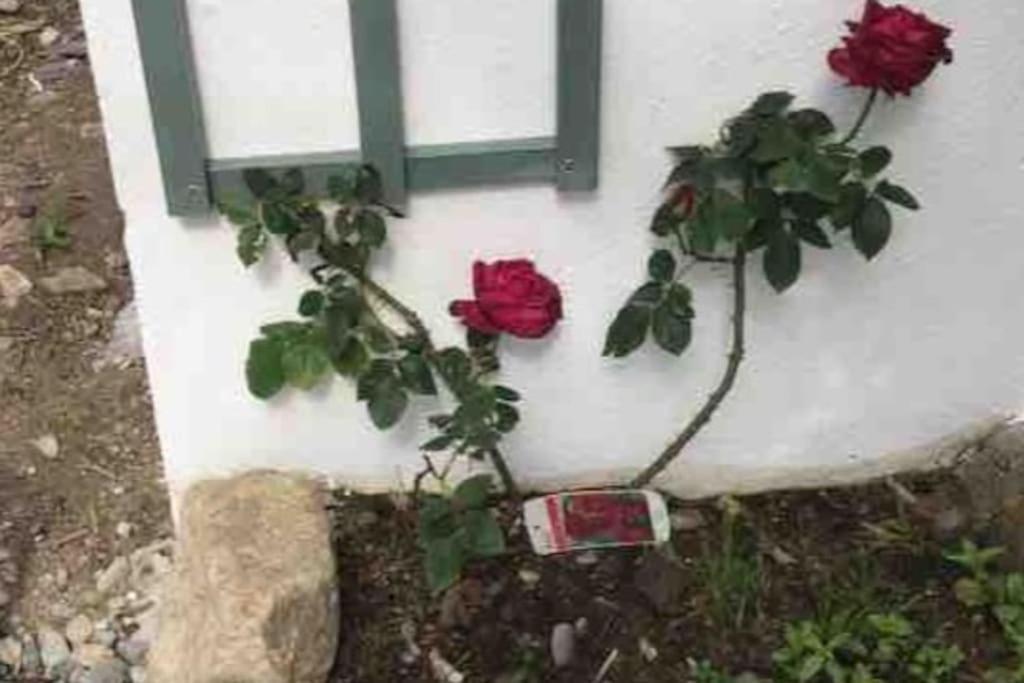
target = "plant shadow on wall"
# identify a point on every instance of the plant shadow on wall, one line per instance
(777, 181)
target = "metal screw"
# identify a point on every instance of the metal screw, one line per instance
(195, 195)
(567, 165)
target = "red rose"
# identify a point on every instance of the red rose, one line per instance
(682, 198)
(892, 48)
(512, 297)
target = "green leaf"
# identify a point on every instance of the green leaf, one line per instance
(444, 559)
(771, 103)
(387, 404)
(662, 265)
(252, 243)
(377, 338)
(371, 227)
(301, 241)
(455, 365)
(812, 233)
(286, 331)
(810, 667)
(823, 180)
(483, 533)
(236, 212)
(782, 260)
(342, 188)
(369, 187)
(259, 182)
(765, 204)
(311, 303)
(806, 205)
(672, 330)
(506, 394)
(871, 230)
(264, 373)
(278, 220)
(811, 123)
(305, 363)
(438, 443)
(507, 417)
(351, 358)
(850, 205)
(416, 375)
(702, 231)
(679, 299)
(788, 175)
(731, 216)
(874, 160)
(665, 221)
(473, 492)
(775, 141)
(293, 182)
(897, 195)
(627, 331)
(647, 294)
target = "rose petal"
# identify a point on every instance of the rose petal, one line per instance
(473, 316)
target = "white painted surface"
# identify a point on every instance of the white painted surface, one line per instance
(858, 361)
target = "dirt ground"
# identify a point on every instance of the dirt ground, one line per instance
(813, 554)
(66, 516)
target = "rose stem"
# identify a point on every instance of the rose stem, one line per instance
(739, 278)
(868, 105)
(413, 321)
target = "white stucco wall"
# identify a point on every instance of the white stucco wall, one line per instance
(856, 362)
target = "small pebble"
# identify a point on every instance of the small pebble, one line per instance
(529, 577)
(10, 6)
(563, 644)
(124, 529)
(687, 520)
(587, 558)
(48, 37)
(78, 630)
(47, 445)
(647, 651)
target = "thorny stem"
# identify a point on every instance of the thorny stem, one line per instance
(414, 322)
(868, 106)
(739, 264)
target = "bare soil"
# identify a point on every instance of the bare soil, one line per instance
(59, 516)
(818, 552)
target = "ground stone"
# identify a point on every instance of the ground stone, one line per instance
(10, 6)
(114, 577)
(254, 595)
(662, 581)
(73, 279)
(137, 674)
(134, 649)
(13, 286)
(563, 644)
(91, 655)
(111, 671)
(687, 520)
(78, 630)
(48, 37)
(10, 653)
(31, 660)
(47, 445)
(54, 652)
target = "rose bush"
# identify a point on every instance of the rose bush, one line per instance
(512, 297)
(892, 48)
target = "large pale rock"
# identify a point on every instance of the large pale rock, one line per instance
(254, 594)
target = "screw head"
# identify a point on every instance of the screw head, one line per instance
(567, 165)
(195, 194)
